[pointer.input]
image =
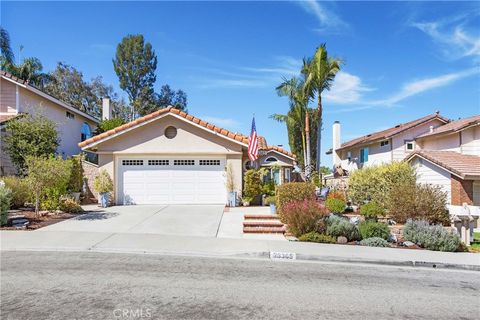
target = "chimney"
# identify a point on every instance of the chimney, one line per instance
(106, 109)
(336, 143)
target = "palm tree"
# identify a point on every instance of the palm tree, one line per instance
(298, 116)
(319, 73)
(31, 70)
(8, 58)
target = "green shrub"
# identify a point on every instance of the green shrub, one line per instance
(431, 237)
(32, 135)
(47, 179)
(375, 242)
(339, 227)
(20, 191)
(371, 211)
(418, 202)
(51, 199)
(335, 205)
(103, 183)
(109, 124)
(253, 182)
(75, 183)
(317, 237)
(70, 205)
(268, 188)
(270, 200)
(304, 216)
(294, 191)
(5, 200)
(370, 229)
(374, 183)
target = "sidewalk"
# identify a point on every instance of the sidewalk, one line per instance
(225, 247)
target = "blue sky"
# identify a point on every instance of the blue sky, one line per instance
(403, 60)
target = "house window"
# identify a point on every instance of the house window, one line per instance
(183, 162)
(271, 159)
(70, 115)
(156, 162)
(132, 162)
(363, 155)
(288, 175)
(410, 145)
(86, 132)
(209, 162)
(384, 143)
(349, 155)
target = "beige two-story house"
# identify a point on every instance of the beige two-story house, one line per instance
(18, 97)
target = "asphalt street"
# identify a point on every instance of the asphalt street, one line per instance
(61, 285)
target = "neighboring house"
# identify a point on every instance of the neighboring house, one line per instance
(18, 97)
(171, 157)
(449, 156)
(443, 152)
(392, 144)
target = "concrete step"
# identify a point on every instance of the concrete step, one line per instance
(260, 216)
(264, 230)
(262, 223)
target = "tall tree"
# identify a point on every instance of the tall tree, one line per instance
(7, 58)
(319, 72)
(297, 119)
(135, 64)
(169, 97)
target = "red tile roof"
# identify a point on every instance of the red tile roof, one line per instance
(388, 133)
(454, 126)
(235, 136)
(462, 165)
(10, 76)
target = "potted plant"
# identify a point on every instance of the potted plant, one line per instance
(103, 185)
(246, 201)
(230, 184)
(272, 202)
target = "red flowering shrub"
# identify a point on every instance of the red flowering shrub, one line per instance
(304, 216)
(336, 195)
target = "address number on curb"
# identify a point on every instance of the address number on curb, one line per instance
(283, 255)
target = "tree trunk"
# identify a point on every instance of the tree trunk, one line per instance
(319, 133)
(37, 203)
(307, 136)
(304, 150)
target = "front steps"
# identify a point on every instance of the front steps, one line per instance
(261, 223)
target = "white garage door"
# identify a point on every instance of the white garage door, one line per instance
(172, 180)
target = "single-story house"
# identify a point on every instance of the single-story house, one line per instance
(171, 157)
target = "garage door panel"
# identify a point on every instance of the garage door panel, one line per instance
(170, 184)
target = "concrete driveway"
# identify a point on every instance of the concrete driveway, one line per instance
(186, 220)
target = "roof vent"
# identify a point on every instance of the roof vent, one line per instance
(397, 126)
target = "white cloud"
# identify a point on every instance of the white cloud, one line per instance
(347, 88)
(418, 86)
(453, 36)
(221, 122)
(328, 20)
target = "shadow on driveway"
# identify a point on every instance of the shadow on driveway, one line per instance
(98, 215)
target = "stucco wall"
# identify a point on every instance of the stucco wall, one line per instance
(476, 193)
(449, 142)
(432, 174)
(69, 130)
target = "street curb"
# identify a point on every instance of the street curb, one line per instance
(266, 255)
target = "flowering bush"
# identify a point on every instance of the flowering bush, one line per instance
(294, 191)
(304, 216)
(5, 199)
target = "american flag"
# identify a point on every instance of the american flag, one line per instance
(253, 143)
